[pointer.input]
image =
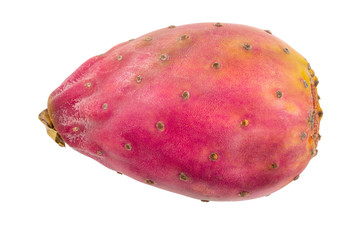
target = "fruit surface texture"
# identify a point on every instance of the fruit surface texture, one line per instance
(213, 111)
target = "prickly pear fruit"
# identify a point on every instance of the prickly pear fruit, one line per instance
(211, 111)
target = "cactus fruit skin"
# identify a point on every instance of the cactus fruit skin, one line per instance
(219, 112)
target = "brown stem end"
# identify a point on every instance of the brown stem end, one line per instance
(50, 129)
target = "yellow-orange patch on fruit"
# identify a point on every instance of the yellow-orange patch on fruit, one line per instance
(291, 108)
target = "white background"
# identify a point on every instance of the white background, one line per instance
(47, 192)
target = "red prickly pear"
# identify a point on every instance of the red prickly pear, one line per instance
(213, 111)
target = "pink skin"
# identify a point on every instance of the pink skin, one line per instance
(251, 161)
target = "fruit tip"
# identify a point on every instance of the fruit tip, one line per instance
(44, 117)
